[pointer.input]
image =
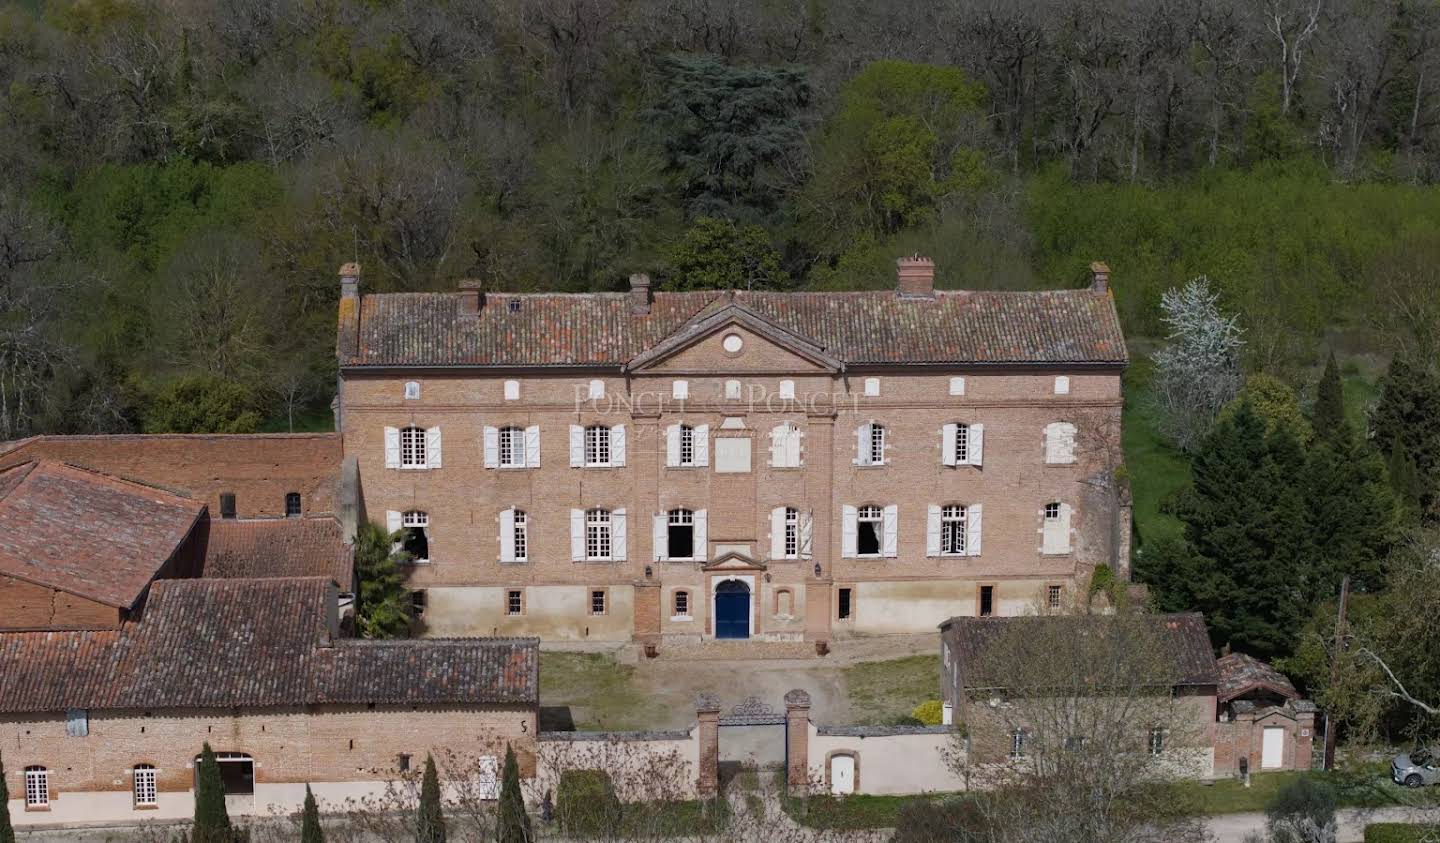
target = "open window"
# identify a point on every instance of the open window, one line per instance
(844, 603)
(870, 531)
(416, 540)
(237, 773)
(986, 600)
(680, 534)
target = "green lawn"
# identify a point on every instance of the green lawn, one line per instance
(1366, 788)
(600, 692)
(882, 691)
(855, 812)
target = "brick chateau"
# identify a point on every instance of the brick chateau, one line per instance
(680, 467)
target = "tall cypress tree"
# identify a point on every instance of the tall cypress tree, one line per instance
(512, 823)
(429, 820)
(212, 822)
(1352, 512)
(7, 831)
(1329, 401)
(1408, 412)
(310, 830)
(1404, 478)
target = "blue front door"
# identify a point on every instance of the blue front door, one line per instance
(732, 610)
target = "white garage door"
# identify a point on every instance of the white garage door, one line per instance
(842, 774)
(1272, 751)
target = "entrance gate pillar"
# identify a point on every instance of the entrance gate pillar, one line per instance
(797, 743)
(707, 718)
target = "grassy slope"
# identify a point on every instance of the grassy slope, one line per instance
(1156, 469)
(881, 691)
(601, 693)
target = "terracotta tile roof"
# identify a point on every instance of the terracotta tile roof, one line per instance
(261, 642)
(279, 547)
(1188, 643)
(598, 329)
(1241, 674)
(87, 533)
(443, 670)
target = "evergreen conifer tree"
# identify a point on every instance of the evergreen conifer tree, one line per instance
(212, 822)
(1329, 401)
(7, 831)
(1353, 514)
(310, 830)
(1246, 535)
(1403, 478)
(512, 824)
(429, 820)
(1408, 412)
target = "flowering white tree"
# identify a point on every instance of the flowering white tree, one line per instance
(1199, 371)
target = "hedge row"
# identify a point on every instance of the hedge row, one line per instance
(1401, 833)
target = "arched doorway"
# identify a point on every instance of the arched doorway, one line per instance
(732, 609)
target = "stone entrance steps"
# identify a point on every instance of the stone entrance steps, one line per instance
(735, 650)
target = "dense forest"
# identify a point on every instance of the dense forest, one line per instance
(181, 179)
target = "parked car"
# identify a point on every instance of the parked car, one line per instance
(1419, 767)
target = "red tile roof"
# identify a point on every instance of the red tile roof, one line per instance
(1241, 674)
(1185, 638)
(598, 329)
(260, 642)
(87, 533)
(279, 547)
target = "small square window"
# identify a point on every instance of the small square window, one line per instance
(292, 504)
(597, 389)
(512, 390)
(680, 390)
(1062, 385)
(1053, 595)
(412, 390)
(227, 504)
(417, 602)
(597, 601)
(957, 386)
(402, 762)
(682, 604)
(872, 386)
(732, 390)
(514, 602)
(787, 390)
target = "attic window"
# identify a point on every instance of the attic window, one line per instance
(513, 305)
(733, 343)
(292, 504)
(227, 504)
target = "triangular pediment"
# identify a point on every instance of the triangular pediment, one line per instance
(795, 352)
(733, 561)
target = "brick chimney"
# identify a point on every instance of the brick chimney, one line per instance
(349, 280)
(1099, 277)
(640, 294)
(915, 277)
(472, 297)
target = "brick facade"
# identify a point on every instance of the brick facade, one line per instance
(910, 592)
(329, 746)
(258, 469)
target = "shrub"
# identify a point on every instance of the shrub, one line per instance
(930, 713)
(1300, 811)
(950, 821)
(586, 803)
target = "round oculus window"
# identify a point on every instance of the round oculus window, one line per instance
(733, 343)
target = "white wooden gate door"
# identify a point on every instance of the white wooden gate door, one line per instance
(1272, 749)
(842, 774)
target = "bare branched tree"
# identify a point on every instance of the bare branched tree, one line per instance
(1090, 726)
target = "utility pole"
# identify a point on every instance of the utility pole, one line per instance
(1335, 670)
